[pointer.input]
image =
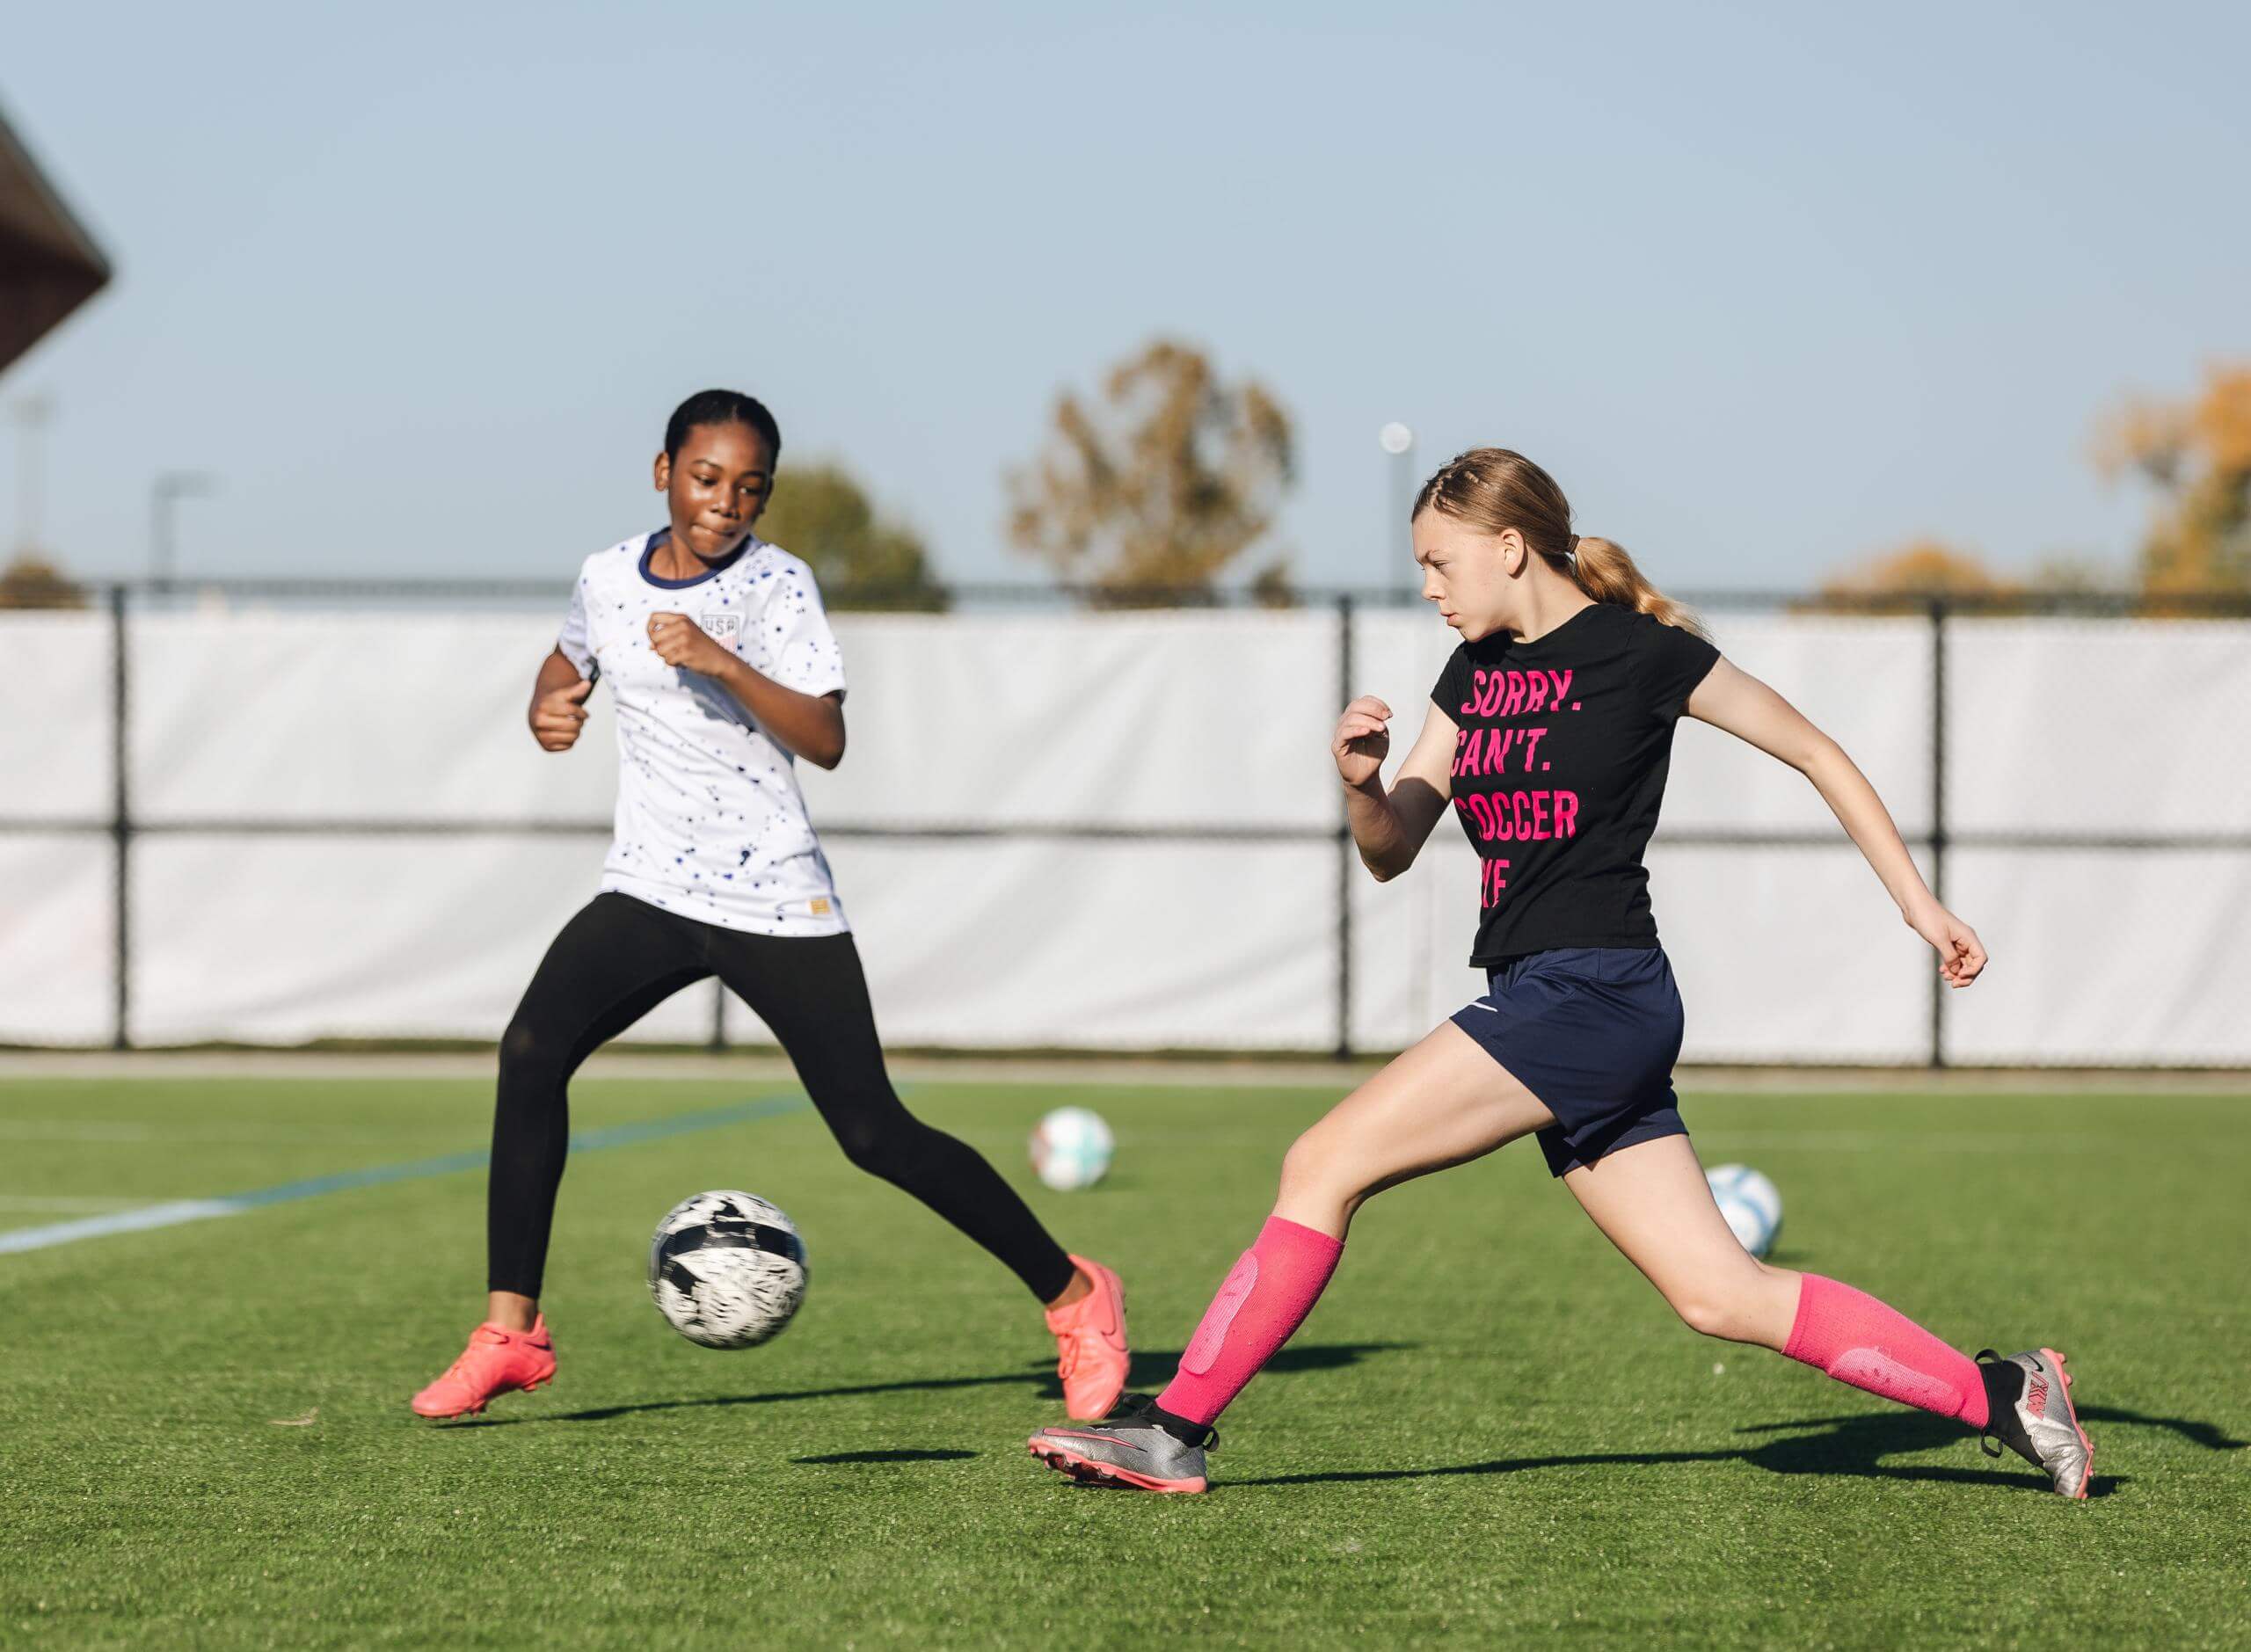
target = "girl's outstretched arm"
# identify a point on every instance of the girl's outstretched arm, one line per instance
(1746, 708)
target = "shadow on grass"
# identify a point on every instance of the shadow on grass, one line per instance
(2208, 1435)
(1844, 1445)
(1039, 1376)
(901, 1456)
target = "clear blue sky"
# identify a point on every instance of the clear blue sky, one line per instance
(1767, 289)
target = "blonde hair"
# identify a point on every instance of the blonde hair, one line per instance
(1491, 489)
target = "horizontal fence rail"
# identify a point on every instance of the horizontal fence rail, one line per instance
(234, 590)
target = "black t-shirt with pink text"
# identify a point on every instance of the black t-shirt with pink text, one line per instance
(1559, 767)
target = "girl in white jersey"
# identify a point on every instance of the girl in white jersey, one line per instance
(724, 673)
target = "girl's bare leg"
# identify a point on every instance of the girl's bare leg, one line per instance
(1651, 1201)
(1442, 1103)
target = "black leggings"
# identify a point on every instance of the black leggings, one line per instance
(617, 960)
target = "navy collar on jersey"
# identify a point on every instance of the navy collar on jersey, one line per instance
(712, 570)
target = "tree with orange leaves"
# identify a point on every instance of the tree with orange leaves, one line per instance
(2197, 453)
(1921, 568)
(33, 582)
(1164, 482)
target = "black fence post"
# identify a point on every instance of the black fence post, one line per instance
(1938, 815)
(718, 1016)
(120, 825)
(1345, 857)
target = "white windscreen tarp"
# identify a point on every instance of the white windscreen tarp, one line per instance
(354, 716)
(283, 940)
(2105, 957)
(2131, 727)
(1044, 741)
(1060, 944)
(55, 717)
(1215, 719)
(57, 938)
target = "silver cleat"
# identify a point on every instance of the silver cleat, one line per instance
(1128, 1448)
(2045, 1428)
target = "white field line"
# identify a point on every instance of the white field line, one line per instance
(173, 1213)
(167, 1215)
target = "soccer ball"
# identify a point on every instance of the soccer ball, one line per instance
(1751, 1205)
(727, 1270)
(1071, 1149)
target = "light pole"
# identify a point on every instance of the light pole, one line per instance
(32, 413)
(170, 487)
(1399, 441)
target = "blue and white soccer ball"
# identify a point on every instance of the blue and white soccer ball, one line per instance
(1071, 1149)
(1751, 1203)
(727, 1270)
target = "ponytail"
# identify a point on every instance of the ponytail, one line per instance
(1604, 570)
(1492, 489)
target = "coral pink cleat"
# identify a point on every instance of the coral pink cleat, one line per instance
(497, 1361)
(1091, 1335)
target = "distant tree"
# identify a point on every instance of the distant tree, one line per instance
(2197, 453)
(2065, 574)
(1272, 587)
(1921, 568)
(1163, 482)
(821, 513)
(33, 582)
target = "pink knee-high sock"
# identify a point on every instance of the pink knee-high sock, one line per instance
(1857, 1339)
(1265, 1298)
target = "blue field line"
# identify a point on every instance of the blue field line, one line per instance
(172, 1214)
(658, 1129)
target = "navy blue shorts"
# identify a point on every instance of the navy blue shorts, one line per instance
(1593, 1032)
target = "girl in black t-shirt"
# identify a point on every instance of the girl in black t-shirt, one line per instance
(1549, 733)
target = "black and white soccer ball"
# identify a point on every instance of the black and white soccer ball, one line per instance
(727, 1270)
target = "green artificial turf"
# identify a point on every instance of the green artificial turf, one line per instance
(1490, 1430)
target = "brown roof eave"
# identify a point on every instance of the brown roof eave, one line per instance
(48, 263)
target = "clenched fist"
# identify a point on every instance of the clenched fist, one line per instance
(680, 641)
(556, 717)
(1362, 742)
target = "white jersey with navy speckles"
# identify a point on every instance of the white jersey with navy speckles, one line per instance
(710, 824)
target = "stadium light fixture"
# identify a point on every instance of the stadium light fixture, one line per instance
(165, 493)
(1398, 440)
